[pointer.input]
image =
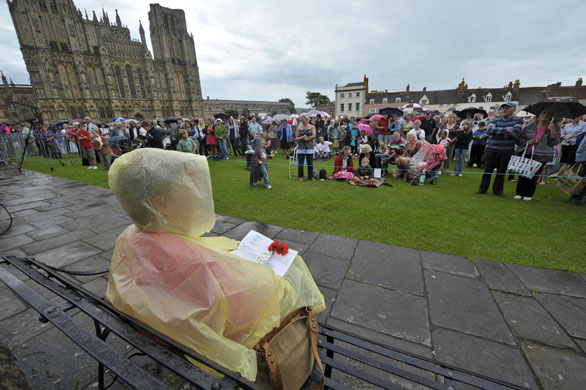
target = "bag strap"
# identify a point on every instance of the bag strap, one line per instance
(270, 356)
(314, 335)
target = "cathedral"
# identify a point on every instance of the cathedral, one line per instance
(88, 66)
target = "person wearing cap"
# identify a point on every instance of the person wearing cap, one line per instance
(221, 132)
(500, 145)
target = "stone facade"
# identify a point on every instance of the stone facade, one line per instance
(80, 66)
(17, 102)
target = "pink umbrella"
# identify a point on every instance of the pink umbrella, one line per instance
(376, 117)
(363, 121)
(418, 117)
(367, 129)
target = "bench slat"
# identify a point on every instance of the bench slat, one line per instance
(129, 372)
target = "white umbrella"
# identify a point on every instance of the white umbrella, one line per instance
(524, 114)
(411, 107)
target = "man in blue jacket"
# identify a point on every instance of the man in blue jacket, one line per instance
(500, 146)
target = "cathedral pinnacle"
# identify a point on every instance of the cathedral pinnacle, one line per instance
(118, 21)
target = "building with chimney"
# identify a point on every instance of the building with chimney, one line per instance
(465, 97)
(91, 66)
(350, 98)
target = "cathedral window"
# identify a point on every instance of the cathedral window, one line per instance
(120, 83)
(43, 5)
(141, 80)
(53, 5)
(130, 81)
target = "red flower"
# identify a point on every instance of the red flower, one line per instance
(280, 248)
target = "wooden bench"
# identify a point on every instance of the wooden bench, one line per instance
(350, 362)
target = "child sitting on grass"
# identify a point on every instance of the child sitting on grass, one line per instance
(365, 173)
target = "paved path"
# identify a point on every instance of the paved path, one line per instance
(521, 324)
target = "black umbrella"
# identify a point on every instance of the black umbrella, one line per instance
(370, 114)
(472, 111)
(391, 111)
(559, 107)
(172, 119)
(222, 116)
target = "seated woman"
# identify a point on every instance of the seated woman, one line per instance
(344, 165)
(411, 147)
(367, 152)
(189, 287)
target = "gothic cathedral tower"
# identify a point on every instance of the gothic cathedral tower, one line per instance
(81, 66)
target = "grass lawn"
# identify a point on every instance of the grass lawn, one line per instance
(545, 232)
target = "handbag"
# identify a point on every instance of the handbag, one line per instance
(286, 355)
(522, 166)
(569, 180)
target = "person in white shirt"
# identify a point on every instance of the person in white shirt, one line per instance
(322, 149)
(89, 126)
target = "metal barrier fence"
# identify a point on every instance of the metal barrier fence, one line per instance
(17, 147)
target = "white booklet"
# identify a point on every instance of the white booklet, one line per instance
(255, 247)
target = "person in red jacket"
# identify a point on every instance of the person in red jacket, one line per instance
(87, 147)
(344, 161)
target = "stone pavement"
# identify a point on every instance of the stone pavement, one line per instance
(521, 324)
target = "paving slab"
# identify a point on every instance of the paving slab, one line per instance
(529, 320)
(97, 286)
(222, 227)
(482, 356)
(63, 366)
(41, 234)
(242, 230)
(452, 264)
(334, 246)
(43, 216)
(111, 224)
(296, 235)
(52, 206)
(11, 377)
(581, 343)
(22, 199)
(388, 266)
(498, 277)
(94, 263)
(465, 305)
(9, 303)
(551, 281)
(56, 241)
(329, 299)
(26, 206)
(570, 312)
(19, 329)
(24, 213)
(67, 254)
(96, 211)
(556, 368)
(83, 223)
(235, 221)
(386, 311)
(106, 240)
(44, 222)
(326, 271)
(221, 218)
(13, 242)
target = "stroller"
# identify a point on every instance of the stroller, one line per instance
(425, 163)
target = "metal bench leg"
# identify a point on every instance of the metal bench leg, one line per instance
(103, 335)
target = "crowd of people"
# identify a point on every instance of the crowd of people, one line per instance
(475, 139)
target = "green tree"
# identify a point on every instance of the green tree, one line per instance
(316, 98)
(232, 113)
(291, 104)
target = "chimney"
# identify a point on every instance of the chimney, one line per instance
(516, 85)
(407, 90)
(579, 82)
(510, 85)
(461, 86)
(424, 89)
(365, 80)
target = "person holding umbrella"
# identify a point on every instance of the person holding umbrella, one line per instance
(382, 126)
(500, 145)
(540, 138)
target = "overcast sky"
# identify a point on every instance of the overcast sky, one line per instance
(266, 50)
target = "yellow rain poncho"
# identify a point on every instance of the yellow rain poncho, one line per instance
(189, 287)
